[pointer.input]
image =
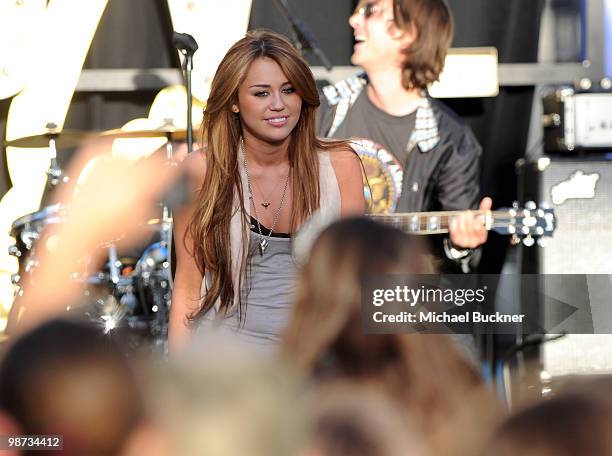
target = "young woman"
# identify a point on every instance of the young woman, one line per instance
(262, 174)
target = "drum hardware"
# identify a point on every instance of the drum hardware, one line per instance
(130, 297)
(129, 301)
(172, 133)
(125, 295)
(55, 175)
(54, 139)
(153, 273)
(113, 264)
(168, 130)
(164, 246)
(154, 264)
(64, 139)
(27, 229)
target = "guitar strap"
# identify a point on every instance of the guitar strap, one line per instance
(343, 95)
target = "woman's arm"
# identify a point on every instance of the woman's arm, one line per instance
(188, 278)
(349, 173)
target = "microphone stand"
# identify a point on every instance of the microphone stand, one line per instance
(188, 70)
(187, 46)
(303, 38)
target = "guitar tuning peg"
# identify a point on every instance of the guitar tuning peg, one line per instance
(543, 242)
(528, 241)
(515, 240)
(530, 205)
(544, 205)
(515, 205)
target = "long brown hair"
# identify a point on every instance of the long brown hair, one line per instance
(221, 133)
(433, 22)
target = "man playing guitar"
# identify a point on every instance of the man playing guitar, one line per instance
(428, 160)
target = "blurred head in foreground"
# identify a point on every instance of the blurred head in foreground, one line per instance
(570, 424)
(68, 379)
(357, 420)
(220, 398)
(325, 338)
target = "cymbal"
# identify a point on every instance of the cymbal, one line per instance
(165, 131)
(63, 139)
(171, 102)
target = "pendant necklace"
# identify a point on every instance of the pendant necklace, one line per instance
(263, 242)
(266, 201)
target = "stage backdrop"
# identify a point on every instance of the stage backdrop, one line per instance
(136, 34)
(501, 124)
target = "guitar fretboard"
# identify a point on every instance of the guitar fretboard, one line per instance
(437, 222)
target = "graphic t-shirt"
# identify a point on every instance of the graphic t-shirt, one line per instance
(380, 139)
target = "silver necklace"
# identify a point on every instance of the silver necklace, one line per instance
(263, 242)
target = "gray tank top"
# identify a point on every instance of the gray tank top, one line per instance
(267, 291)
(267, 296)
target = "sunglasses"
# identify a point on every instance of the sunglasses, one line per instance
(367, 9)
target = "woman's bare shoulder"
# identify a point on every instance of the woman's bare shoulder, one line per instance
(342, 156)
(350, 175)
(340, 151)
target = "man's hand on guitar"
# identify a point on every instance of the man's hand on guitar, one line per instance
(467, 231)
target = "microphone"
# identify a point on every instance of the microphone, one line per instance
(187, 45)
(184, 42)
(303, 38)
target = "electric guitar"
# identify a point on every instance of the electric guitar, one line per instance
(523, 224)
(529, 225)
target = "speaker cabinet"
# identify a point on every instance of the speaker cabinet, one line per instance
(576, 263)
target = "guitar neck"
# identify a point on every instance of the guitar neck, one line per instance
(435, 222)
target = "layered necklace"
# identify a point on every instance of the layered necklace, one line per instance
(263, 241)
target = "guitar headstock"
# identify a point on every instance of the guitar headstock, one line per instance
(525, 224)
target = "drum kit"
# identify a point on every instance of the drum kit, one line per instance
(130, 295)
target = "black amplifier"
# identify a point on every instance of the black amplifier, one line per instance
(577, 121)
